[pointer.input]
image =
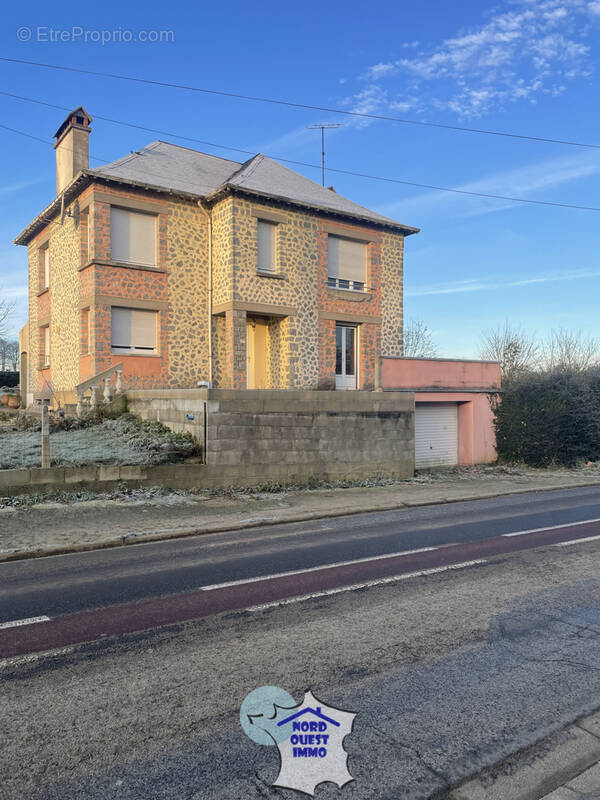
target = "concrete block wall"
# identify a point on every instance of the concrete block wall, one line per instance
(279, 435)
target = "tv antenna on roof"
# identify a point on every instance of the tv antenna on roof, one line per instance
(324, 126)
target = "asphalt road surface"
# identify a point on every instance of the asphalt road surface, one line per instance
(448, 671)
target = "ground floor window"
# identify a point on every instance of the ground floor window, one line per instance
(134, 331)
(346, 348)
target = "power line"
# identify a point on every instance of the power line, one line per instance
(292, 104)
(351, 173)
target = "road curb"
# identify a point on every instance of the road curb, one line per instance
(540, 773)
(182, 533)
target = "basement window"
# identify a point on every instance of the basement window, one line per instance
(133, 331)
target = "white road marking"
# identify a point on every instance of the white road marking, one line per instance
(551, 528)
(314, 569)
(366, 584)
(29, 621)
(576, 541)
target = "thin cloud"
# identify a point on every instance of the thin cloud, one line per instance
(523, 181)
(517, 55)
(461, 287)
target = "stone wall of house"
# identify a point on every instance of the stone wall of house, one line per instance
(187, 290)
(392, 309)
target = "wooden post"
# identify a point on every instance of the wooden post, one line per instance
(45, 437)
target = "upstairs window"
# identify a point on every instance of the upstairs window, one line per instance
(267, 246)
(346, 264)
(133, 331)
(132, 237)
(44, 267)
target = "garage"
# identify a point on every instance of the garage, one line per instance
(436, 434)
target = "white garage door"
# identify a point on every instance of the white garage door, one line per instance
(436, 434)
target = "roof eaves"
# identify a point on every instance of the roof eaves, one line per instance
(84, 177)
(229, 187)
(45, 216)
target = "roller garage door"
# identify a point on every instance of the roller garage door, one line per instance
(436, 434)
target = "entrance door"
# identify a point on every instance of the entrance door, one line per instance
(345, 356)
(256, 354)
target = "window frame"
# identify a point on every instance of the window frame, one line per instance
(348, 284)
(132, 350)
(274, 250)
(115, 207)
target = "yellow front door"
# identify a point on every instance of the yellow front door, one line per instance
(256, 353)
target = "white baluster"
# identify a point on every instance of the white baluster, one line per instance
(107, 389)
(79, 402)
(93, 398)
(119, 381)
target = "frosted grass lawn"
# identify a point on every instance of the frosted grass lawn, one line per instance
(122, 441)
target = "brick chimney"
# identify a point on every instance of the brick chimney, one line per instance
(72, 147)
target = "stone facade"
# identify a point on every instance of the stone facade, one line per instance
(295, 303)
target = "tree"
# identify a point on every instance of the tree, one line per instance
(418, 340)
(517, 351)
(570, 351)
(12, 354)
(6, 309)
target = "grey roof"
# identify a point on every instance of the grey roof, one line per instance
(171, 167)
(180, 169)
(168, 167)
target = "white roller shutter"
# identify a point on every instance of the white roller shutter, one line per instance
(267, 246)
(133, 330)
(436, 434)
(346, 259)
(132, 237)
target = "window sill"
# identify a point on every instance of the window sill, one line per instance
(42, 367)
(276, 275)
(43, 291)
(349, 294)
(103, 262)
(122, 354)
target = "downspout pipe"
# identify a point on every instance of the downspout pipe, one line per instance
(207, 213)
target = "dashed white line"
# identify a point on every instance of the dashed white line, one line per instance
(551, 527)
(366, 584)
(29, 621)
(576, 541)
(315, 569)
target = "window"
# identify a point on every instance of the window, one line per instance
(133, 331)
(85, 332)
(44, 262)
(267, 246)
(346, 264)
(132, 237)
(45, 334)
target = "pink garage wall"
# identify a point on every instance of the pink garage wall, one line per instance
(439, 373)
(450, 379)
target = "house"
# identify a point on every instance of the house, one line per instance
(194, 279)
(186, 267)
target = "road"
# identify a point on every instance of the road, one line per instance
(448, 671)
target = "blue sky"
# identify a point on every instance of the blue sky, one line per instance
(522, 66)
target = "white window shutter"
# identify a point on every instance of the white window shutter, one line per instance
(46, 267)
(347, 259)
(143, 329)
(47, 344)
(267, 246)
(121, 327)
(132, 237)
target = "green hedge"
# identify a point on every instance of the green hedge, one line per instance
(549, 419)
(9, 378)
